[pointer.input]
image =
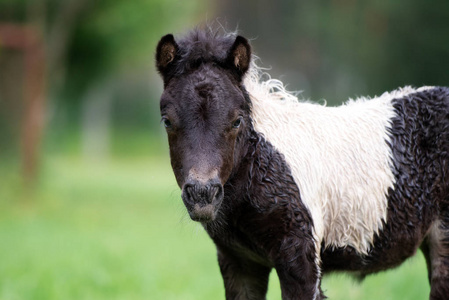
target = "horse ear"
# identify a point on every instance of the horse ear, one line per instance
(165, 53)
(240, 55)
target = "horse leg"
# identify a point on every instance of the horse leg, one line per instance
(425, 249)
(243, 278)
(436, 251)
(294, 285)
(298, 271)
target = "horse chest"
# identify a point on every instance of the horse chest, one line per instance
(241, 247)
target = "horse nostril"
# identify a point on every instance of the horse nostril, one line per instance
(189, 192)
(216, 192)
(213, 193)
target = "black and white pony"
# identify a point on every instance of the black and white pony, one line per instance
(299, 187)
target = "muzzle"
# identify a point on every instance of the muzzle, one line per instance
(202, 200)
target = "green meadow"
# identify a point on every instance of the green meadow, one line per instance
(117, 229)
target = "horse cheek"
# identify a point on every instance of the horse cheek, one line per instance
(176, 160)
(228, 153)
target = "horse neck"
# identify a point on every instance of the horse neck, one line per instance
(251, 161)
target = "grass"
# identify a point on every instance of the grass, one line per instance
(117, 230)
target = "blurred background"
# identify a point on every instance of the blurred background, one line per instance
(89, 208)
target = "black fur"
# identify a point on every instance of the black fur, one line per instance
(242, 190)
(264, 225)
(420, 148)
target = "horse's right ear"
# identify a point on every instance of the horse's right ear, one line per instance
(166, 53)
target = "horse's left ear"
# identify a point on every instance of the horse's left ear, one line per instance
(239, 55)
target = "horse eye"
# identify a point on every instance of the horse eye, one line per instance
(237, 123)
(166, 122)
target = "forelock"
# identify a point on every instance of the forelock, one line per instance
(203, 45)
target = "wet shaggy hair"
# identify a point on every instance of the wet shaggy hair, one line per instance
(299, 187)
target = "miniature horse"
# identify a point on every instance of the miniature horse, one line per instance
(299, 187)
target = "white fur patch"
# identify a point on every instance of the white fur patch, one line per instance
(338, 156)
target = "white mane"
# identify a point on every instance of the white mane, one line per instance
(260, 85)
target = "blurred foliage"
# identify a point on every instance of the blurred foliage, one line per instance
(335, 49)
(331, 49)
(103, 35)
(105, 46)
(121, 35)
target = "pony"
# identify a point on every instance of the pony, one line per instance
(298, 187)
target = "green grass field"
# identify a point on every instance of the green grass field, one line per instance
(118, 230)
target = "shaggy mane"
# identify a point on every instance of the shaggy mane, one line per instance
(260, 85)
